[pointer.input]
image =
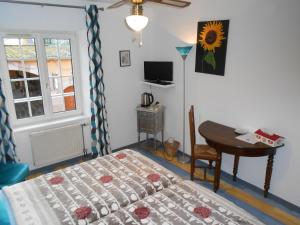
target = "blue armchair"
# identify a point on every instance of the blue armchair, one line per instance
(12, 173)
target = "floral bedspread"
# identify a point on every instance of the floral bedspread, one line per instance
(88, 191)
(183, 203)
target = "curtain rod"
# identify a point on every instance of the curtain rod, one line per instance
(47, 4)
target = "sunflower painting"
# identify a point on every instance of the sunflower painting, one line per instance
(211, 47)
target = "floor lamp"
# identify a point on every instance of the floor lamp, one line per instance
(184, 51)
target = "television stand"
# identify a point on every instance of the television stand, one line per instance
(161, 84)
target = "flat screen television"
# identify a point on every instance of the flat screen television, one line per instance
(158, 72)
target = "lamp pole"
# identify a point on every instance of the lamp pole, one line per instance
(183, 51)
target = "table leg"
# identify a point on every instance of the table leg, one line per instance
(235, 167)
(139, 137)
(268, 174)
(218, 172)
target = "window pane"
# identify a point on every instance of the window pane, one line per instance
(66, 67)
(12, 48)
(34, 88)
(15, 69)
(15, 65)
(21, 55)
(58, 104)
(28, 48)
(51, 48)
(70, 103)
(31, 69)
(18, 89)
(68, 84)
(29, 52)
(64, 49)
(37, 108)
(59, 61)
(11, 41)
(22, 110)
(13, 52)
(15, 74)
(55, 86)
(27, 41)
(53, 68)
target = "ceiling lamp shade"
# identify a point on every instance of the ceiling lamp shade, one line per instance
(137, 22)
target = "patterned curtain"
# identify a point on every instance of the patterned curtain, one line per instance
(7, 145)
(99, 125)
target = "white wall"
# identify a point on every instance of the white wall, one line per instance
(261, 86)
(122, 85)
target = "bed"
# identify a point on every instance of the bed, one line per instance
(122, 188)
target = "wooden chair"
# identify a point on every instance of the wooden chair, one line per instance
(198, 151)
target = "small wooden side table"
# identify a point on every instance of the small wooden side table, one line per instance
(223, 139)
(150, 120)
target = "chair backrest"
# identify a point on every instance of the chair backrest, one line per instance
(192, 129)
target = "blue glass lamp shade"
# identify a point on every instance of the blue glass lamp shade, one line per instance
(184, 51)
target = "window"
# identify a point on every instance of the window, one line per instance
(24, 76)
(40, 76)
(60, 74)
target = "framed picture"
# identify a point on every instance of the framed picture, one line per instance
(125, 58)
(211, 47)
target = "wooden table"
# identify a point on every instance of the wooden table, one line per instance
(222, 138)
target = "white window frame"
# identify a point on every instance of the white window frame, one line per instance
(44, 77)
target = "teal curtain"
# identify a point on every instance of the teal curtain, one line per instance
(7, 145)
(99, 124)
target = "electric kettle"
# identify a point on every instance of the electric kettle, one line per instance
(147, 99)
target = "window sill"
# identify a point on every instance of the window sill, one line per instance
(55, 123)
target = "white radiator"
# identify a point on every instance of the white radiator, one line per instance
(55, 145)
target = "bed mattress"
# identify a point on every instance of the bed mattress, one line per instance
(183, 203)
(97, 187)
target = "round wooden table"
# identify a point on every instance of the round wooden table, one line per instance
(223, 139)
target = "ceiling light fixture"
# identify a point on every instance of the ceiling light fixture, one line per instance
(137, 21)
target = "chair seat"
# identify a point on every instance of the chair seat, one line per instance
(13, 173)
(205, 152)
